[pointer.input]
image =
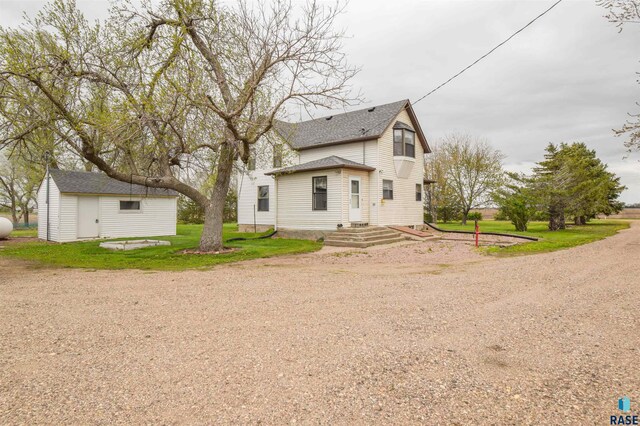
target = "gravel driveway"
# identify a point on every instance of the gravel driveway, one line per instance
(429, 333)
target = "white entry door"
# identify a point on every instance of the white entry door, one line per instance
(88, 226)
(355, 211)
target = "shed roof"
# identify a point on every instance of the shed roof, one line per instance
(333, 162)
(363, 124)
(99, 183)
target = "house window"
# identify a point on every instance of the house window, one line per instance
(320, 193)
(129, 205)
(404, 143)
(251, 164)
(397, 142)
(277, 156)
(263, 198)
(418, 192)
(387, 190)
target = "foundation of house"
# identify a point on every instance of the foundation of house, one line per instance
(250, 228)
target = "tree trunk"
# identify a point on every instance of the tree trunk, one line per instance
(465, 215)
(26, 216)
(211, 238)
(556, 219)
(14, 213)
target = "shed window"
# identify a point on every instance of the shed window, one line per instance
(263, 198)
(404, 143)
(320, 193)
(387, 189)
(418, 192)
(129, 205)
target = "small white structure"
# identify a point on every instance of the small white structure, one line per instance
(84, 205)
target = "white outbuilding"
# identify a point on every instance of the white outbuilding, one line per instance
(84, 205)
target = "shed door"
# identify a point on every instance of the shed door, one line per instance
(355, 214)
(88, 226)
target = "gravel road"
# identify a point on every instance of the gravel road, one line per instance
(417, 333)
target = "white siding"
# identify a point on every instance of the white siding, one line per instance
(295, 209)
(403, 209)
(157, 216)
(248, 198)
(54, 208)
(249, 180)
(68, 221)
(355, 151)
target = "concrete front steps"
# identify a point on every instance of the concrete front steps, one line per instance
(362, 237)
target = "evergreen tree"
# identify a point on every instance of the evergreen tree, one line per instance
(572, 181)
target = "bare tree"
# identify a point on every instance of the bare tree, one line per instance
(471, 168)
(159, 85)
(622, 12)
(18, 186)
(442, 192)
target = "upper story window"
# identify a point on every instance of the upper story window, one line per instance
(251, 164)
(277, 156)
(404, 142)
(320, 193)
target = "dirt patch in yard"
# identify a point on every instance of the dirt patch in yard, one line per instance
(415, 333)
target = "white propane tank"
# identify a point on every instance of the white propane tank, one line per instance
(5, 227)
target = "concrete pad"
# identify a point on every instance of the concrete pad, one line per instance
(133, 244)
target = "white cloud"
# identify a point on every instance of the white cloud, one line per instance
(569, 77)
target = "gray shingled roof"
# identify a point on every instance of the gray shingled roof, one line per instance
(332, 162)
(368, 123)
(401, 125)
(99, 183)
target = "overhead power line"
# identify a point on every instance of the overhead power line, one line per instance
(490, 51)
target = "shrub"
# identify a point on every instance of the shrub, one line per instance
(189, 211)
(516, 201)
(231, 207)
(474, 216)
(448, 213)
(501, 215)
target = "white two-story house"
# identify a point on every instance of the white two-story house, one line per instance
(359, 168)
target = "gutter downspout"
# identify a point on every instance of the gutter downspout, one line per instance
(46, 155)
(275, 187)
(342, 184)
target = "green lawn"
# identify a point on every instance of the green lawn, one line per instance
(90, 255)
(549, 241)
(25, 232)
